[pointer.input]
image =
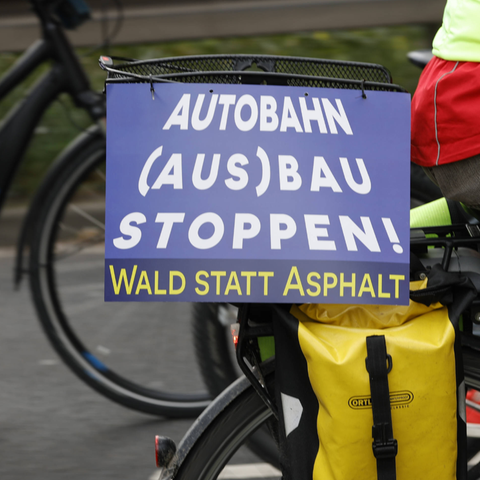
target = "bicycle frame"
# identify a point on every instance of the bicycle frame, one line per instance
(65, 76)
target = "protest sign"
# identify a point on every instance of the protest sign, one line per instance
(252, 193)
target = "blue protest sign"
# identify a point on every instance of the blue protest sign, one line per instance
(247, 193)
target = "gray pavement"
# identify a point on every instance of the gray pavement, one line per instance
(52, 426)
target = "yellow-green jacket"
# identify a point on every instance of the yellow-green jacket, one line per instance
(459, 37)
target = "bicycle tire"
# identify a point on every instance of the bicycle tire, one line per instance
(228, 427)
(226, 431)
(72, 334)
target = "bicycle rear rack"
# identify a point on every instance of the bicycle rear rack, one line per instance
(449, 237)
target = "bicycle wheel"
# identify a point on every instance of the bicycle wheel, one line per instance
(219, 451)
(128, 352)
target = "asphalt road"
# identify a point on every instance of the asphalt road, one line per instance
(52, 426)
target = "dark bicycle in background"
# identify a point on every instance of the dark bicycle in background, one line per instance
(123, 352)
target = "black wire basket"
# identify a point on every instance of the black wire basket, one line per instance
(252, 70)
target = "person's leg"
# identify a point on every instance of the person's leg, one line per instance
(459, 181)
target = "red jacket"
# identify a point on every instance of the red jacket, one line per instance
(446, 113)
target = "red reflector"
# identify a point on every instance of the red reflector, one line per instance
(234, 328)
(165, 449)
(156, 452)
(106, 61)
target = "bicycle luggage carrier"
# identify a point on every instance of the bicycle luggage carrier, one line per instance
(252, 70)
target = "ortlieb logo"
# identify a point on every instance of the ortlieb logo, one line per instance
(397, 400)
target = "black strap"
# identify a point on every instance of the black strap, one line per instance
(379, 364)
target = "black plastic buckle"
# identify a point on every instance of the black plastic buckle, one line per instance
(383, 448)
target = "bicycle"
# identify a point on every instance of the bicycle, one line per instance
(240, 410)
(63, 234)
(247, 407)
(216, 318)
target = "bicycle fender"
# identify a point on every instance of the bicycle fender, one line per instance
(81, 142)
(201, 424)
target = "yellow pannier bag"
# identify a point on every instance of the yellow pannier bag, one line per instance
(325, 389)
